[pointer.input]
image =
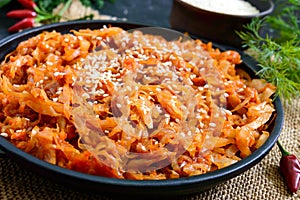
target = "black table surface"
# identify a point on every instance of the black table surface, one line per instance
(150, 12)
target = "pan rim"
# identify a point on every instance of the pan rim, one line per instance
(190, 184)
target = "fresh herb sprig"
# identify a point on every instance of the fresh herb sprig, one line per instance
(98, 4)
(278, 55)
(4, 2)
(49, 5)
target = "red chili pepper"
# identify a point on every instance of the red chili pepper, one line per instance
(290, 169)
(23, 24)
(28, 4)
(20, 14)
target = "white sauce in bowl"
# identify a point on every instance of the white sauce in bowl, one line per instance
(232, 7)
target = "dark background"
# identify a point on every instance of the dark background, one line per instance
(150, 12)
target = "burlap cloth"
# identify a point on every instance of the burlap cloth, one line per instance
(263, 181)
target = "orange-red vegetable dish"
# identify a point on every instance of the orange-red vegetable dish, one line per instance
(131, 105)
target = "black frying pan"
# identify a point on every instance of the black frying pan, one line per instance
(111, 186)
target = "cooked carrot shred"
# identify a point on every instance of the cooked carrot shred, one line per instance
(142, 98)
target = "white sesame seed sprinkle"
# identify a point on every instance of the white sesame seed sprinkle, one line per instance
(212, 124)
(3, 134)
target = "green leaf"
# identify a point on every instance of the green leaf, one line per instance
(49, 5)
(278, 56)
(87, 3)
(99, 4)
(4, 2)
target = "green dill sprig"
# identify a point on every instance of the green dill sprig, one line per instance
(279, 55)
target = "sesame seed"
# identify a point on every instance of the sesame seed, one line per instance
(85, 95)
(192, 76)
(34, 132)
(167, 120)
(59, 73)
(182, 134)
(212, 124)
(198, 116)
(49, 63)
(4, 134)
(228, 112)
(240, 89)
(142, 98)
(200, 88)
(217, 115)
(201, 124)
